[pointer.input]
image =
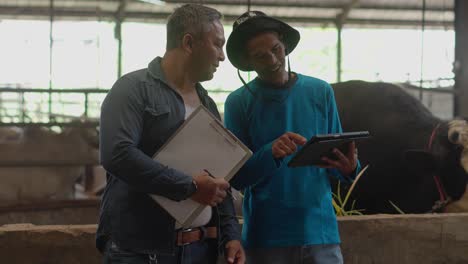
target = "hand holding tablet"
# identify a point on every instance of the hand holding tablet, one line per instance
(322, 146)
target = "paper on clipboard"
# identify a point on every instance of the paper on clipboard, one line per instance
(202, 142)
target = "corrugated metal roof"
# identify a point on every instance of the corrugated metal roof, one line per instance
(404, 13)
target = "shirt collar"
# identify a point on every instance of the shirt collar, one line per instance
(155, 70)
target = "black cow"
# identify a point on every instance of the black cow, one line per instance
(408, 150)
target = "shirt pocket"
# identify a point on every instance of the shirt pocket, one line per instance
(158, 126)
(158, 110)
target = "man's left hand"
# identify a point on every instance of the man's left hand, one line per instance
(234, 253)
(346, 164)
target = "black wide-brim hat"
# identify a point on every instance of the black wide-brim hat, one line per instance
(249, 25)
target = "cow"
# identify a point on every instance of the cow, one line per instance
(39, 164)
(417, 162)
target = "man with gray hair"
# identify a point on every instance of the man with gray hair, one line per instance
(139, 114)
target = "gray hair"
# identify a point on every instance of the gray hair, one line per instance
(189, 19)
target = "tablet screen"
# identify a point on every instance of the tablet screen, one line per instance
(322, 145)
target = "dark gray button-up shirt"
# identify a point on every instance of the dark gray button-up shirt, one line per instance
(138, 115)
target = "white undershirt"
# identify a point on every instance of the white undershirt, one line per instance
(205, 215)
(189, 110)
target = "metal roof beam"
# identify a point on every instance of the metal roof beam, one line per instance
(273, 3)
(120, 13)
(341, 17)
(43, 12)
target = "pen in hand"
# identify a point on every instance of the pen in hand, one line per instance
(227, 190)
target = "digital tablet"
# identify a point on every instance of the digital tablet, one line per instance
(322, 145)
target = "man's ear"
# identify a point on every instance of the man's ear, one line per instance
(187, 42)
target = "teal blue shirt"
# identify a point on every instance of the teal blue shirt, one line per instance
(284, 206)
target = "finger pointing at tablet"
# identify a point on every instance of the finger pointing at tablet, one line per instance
(286, 144)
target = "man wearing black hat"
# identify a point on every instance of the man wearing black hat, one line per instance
(288, 212)
(139, 114)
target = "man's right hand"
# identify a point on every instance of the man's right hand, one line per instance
(210, 191)
(287, 144)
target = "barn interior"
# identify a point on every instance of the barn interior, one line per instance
(59, 58)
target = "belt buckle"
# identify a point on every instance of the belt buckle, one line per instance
(202, 234)
(186, 230)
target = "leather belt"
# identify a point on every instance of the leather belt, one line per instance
(188, 236)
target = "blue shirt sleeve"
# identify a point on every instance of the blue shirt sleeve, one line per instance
(262, 162)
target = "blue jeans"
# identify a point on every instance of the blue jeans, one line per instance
(201, 252)
(313, 254)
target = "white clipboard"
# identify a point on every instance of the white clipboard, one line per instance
(201, 142)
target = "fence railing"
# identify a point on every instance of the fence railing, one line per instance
(60, 107)
(81, 107)
(50, 107)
